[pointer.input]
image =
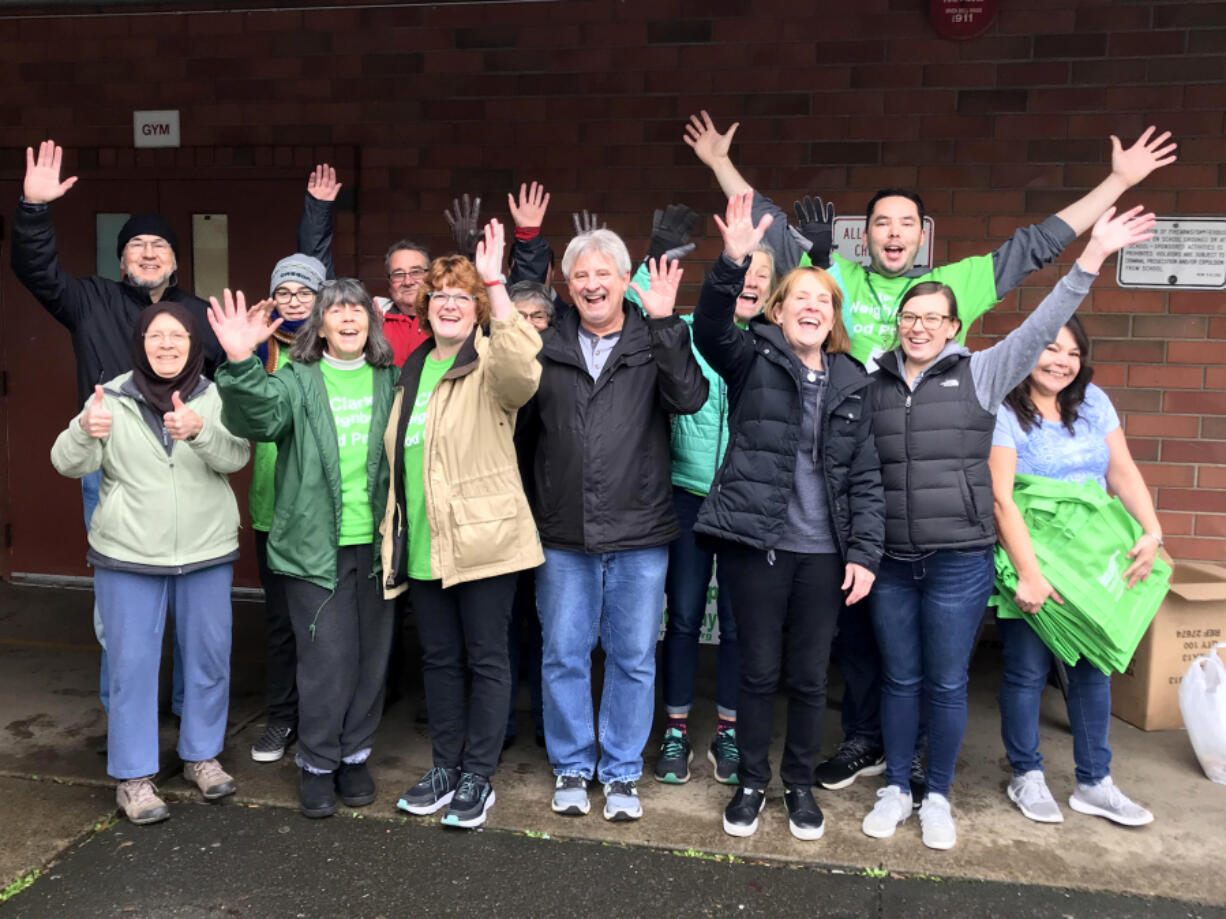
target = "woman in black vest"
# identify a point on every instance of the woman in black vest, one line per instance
(934, 406)
(796, 503)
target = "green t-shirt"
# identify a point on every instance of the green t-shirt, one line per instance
(414, 474)
(351, 395)
(870, 301)
(260, 498)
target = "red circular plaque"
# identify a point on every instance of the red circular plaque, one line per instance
(960, 19)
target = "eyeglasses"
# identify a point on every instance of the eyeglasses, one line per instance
(930, 321)
(302, 295)
(460, 300)
(399, 276)
(159, 246)
(163, 338)
(538, 316)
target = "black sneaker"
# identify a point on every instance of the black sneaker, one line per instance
(432, 791)
(473, 797)
(273, 742)
(855, 758)
(355, 784)
(317, 794)
(804, 816)
(919, 780)
(741, 814)
(725, 757)
(673, 766)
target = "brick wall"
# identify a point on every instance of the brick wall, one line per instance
(589, 96)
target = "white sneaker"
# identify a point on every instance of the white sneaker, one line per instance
(1029, 792)
(892, 808)
(937, 823)
(1106, 800)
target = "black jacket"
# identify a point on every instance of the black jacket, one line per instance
(934, 444)
(100, 313)
(749, 497)
(601, 464)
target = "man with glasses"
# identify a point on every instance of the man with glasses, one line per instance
(99, 313)
(405, 263)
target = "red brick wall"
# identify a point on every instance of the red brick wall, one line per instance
(590, 96)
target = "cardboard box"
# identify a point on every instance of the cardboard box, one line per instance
(1191, 620)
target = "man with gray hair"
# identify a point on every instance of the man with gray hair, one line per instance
(611, 376)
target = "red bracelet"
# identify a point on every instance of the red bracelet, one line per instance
(493, 283)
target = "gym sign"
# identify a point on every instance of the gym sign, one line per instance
(155, 129)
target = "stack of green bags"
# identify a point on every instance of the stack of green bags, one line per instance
(1081, 537)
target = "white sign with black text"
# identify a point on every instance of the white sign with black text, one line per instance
(850, 243)
(1186, 253)
(155, 129)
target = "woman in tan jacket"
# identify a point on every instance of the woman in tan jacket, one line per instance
(458, 527)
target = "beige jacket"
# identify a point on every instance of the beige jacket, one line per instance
(480, 522)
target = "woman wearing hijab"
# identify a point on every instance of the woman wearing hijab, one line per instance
(296, 281)
(165, 529)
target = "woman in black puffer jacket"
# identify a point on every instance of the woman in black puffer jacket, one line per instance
(797, 504)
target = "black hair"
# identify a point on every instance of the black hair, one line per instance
(907, 193)
(1069, 399)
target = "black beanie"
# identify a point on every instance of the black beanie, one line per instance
(146, 225)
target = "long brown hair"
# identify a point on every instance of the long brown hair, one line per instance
(1069, 399)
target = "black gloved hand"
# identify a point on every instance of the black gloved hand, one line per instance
(815, 222)
(465, 225)
(671, 229)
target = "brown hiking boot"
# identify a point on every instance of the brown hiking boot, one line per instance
(207, 775)
(140, 802)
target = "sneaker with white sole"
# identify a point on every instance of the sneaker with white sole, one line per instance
(1029, 792)
(1106, 800)
(472, 800)
(138, 798)
(892, 808)
(570, 796)
(207, 775)
(433, 791)
(725, 757)
(741, 814)
(856, 757)
(273, 742)
(805, 819)
(937, 826)
(673, 764)
(621, 801)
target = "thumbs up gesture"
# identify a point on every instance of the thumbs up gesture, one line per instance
(181, 423)
(96, 420)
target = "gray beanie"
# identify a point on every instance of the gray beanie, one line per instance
(304, 269)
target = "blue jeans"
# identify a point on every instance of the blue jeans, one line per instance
(133, 608)
(1026, 664)
(689, 574)
(926, 614)
(90, 485)
(618, 598)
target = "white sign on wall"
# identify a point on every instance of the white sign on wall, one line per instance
(155, 129)
(850, 243)
(1186, 253)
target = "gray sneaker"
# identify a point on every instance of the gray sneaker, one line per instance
(207, 775)
(570, 796)
(138, 798)
(621, 801)
(1106, 800)
(1029, 792)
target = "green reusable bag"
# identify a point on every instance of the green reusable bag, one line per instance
(1081, 537)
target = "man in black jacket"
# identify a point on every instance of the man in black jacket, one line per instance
(603, 502)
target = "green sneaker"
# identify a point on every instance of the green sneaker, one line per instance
(725, 757)
(673, 765)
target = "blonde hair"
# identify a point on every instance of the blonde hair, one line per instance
(837, 341)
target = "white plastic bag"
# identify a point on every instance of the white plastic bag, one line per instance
(1202, 700)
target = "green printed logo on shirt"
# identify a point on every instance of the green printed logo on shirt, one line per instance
(351, 396)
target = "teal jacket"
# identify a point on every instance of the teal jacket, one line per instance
(700, 440)
(290, 408)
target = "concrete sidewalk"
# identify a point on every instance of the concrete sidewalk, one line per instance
(53, 724)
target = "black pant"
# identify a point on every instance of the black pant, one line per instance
(343, 638)
(470, 621)
(524, 645)
(855, 652)
(282, 662)
(786, 613)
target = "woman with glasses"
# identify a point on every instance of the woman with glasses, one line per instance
(934, 411)
(458, 528)
(326, 411)
(296, 281)
(165, 529)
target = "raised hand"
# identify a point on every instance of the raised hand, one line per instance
(181, 423)
(706, 142)
(1112, 233)
(660, 299)
(464, 221)
(322, 184)
(239, 330)
(740, 234)
(586, 223)
(42, 183)
(488, 258)
(96, 420)
(671, 229)
(530, 210)
(815, 221)
(1143, 157)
